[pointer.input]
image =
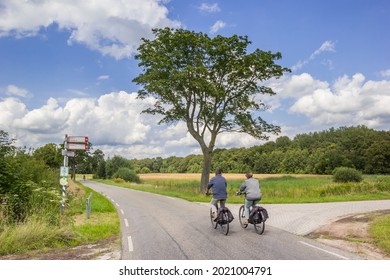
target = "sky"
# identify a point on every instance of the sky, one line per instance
(66, 67)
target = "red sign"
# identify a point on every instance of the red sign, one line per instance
(73, 146)
(77, 139)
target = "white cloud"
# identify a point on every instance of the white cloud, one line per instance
(113, 122)
(351, 101)
(112, 27)
(327, 46)
(385, 73)
(48, 119)
(217, 26)
(16, 91)
(103, 77)
(11, 109)
(209, 8)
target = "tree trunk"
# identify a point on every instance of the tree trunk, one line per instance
(204, 180)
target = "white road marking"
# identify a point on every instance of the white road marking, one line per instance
(117, 204)
(122, 212)
(126, 223)
(112, 200)
(130, 243)
(326, 251)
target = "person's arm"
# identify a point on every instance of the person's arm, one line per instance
(242, 188)
(209, 185)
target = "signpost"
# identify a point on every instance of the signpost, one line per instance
(70, 143)
(78, 139)
(74, 146)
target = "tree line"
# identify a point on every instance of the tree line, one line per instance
(359, 147)
(362, 148)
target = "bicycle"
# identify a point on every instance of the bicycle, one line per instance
(222, 219)
(256, 218)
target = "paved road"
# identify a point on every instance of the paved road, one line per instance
(159, 227)
(304, 218)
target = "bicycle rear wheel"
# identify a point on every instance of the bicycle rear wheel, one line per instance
(225, 224)
(241, 217)
(259, 227)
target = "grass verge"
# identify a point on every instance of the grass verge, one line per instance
(379, 229)
(36, 233)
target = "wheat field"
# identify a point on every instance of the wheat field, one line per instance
(229, 176)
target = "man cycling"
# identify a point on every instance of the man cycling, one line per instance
(218, 184)
(251, 188)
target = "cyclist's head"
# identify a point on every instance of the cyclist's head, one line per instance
(249, 175)
(218, 172)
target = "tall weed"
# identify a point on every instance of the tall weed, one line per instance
(32, 234)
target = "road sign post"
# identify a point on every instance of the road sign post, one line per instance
(64, 171)
(70, 143)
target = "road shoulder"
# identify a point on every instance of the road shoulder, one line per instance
(351, 234)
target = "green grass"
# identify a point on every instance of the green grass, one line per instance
(380, 231)
(33, 234)
(103, 222)
(73, 229)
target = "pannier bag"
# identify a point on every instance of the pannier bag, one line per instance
(258, 214)
(221, 218)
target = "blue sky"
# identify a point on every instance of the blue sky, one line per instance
(66, 67)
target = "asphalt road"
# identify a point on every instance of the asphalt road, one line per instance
(155, 227)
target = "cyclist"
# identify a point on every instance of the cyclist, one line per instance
(251, 188)
(218, 184)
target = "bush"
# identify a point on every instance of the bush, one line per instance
(347, 174)
(127, 175)
(119, 180)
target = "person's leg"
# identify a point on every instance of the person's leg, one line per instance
(214, 206)
(247, 204)
(222, 203)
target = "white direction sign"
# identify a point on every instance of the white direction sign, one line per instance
(77, 139)
(72, 146)
(64, 171)
(68, 153)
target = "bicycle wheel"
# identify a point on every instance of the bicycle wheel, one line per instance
(259, 227)
(241, 217)
(214, 224)
(225, 224)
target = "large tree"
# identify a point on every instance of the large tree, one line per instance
(212, 84)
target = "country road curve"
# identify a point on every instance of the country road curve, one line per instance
(155, 227)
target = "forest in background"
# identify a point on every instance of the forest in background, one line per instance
(362, 148)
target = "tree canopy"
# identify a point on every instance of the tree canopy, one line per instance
(211, 84)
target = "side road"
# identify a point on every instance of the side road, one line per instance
(301, 219)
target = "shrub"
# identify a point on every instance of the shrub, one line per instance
(118, 180)
(127, 175)
(347, 174)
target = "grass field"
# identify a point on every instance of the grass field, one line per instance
(276, 188)
(196, 176)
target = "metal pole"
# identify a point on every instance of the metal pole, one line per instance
(65, 165)
(89, 205)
